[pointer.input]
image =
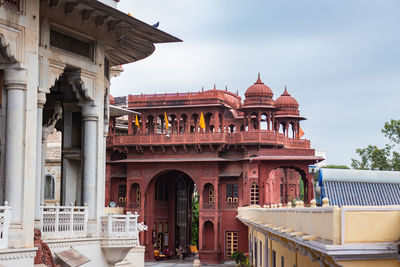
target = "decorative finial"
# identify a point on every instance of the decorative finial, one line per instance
(202, 88)
(226, 87)
(237, 92)
(258, 79)
(215, 87)
(285, 93)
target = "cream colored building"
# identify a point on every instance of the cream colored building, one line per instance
(55, 61)
(322, 236)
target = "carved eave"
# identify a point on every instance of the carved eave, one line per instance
(129, 39)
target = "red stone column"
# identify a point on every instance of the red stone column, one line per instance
(143, 126)
(130, 125)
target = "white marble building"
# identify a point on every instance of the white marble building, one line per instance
(55, 58)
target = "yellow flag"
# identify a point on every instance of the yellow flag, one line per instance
(202, 123)
(166, 121)
(137, 122)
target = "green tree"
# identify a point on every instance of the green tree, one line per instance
(386, 158)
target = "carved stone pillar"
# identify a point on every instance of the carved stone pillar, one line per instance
(39, 176)
(89, 185)
(15, 81)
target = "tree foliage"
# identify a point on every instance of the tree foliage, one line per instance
(195, 222)
(336, 167)
(386, 158)
(392, 130)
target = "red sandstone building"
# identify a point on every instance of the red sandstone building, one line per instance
(247, 153)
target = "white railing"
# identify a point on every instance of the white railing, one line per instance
(63, 221)
(120, 225)
(5, 218)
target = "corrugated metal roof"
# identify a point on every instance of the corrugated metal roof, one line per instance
(345, 175)
(342, 193)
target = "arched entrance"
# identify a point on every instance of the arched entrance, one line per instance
(285, 184)
(168, 211)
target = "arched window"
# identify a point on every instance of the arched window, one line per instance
(49, 187)
(211, 194)
(264, 125)
(135, 196)
(208, 196)
(254, 194)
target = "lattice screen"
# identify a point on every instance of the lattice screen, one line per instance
(71, 44)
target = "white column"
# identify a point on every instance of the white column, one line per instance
(90, 135)
(15, 81)
(38, 180)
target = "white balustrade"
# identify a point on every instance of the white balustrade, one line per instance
(120, 225)
(5, 218)
(63, 221)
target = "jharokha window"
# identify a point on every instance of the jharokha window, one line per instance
(231, 243)
(254, 194)
(232, 195)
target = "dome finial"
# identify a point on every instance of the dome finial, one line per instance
(258, 79)
(286, 92)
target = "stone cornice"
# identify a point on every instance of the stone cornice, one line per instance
(328, 253)
(17, 253)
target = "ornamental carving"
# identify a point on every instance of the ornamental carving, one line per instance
(7, 52)
(43, 254)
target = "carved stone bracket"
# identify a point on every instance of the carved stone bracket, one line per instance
(83, 84)
(48, 127)
(6, 55)
(50, 71)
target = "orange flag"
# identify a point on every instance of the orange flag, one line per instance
(137, 122)
(202, 122)
(301, 133)
(166, 121)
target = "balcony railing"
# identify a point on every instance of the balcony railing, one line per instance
(122, 226)
(5, 217)
(255, 137)
(63, 221)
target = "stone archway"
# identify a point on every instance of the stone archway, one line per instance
(286, 183)
(168, 202)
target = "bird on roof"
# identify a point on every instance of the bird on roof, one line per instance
(156, 25)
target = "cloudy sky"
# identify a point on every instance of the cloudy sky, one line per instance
(339, 59)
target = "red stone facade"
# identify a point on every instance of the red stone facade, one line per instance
(247, 153)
